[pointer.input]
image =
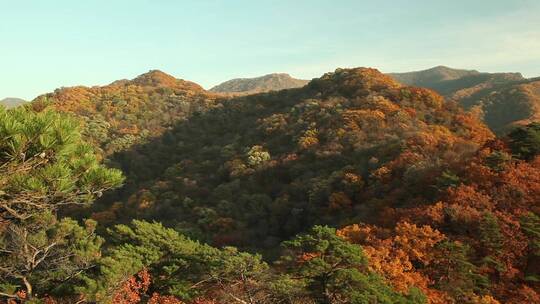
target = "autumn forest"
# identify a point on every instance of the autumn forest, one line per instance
(350, 188)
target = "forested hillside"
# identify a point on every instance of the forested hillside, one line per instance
(507, 106)
(127, 112)
(352, 189)
(502, 100)
(259, 169)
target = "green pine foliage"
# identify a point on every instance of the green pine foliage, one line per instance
(324, 267)
(44, 165)
(492, 240)
(530, 224)
(181, 267)
(47, 254)
(525, 141)
(454, 271)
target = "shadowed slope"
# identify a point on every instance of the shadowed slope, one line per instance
(260, 168)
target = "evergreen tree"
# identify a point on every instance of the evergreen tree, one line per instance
(530, 224)
(46, 255)
(525, 141)
(454, 273)
(332, 271)
(44, 165)
(180, 266)
(492, 241)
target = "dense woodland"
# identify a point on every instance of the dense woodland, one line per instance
(127, 112)
(352, 189)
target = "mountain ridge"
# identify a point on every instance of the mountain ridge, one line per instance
(439, 73)
(478, 91)
(260, 84)
(475, 91)
(441, 76)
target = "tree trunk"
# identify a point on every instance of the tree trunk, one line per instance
(28, 286)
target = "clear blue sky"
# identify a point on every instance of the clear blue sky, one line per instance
(54, 43)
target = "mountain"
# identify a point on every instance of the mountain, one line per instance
(432, 77)
(266, 83)
(12, 102)
(452, 82)
(127, 112)
(503, 100)
(257, 169)
(506, 106)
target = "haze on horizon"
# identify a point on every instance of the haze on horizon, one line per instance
(46, 46)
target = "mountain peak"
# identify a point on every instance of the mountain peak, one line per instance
(279, 75)
(155, 78)
(12, 102)
(269, 82)
(366, 75)
(354, 81)
(447, 68)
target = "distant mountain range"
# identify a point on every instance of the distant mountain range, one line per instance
(448, 81)
(502, 100)
(11, 102)
(266, 83)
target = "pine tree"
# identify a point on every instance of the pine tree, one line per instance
(180, 266)
(331, 270)
(525, 141)
(44, 165)
(454, 273)
(492, 241)
(530, 224)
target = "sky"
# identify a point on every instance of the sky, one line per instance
(46, 44)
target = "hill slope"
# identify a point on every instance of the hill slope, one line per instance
(506, 106)
(266, 83)
(12, 102)
(261, 168)
(487, 93)
(126, 112)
